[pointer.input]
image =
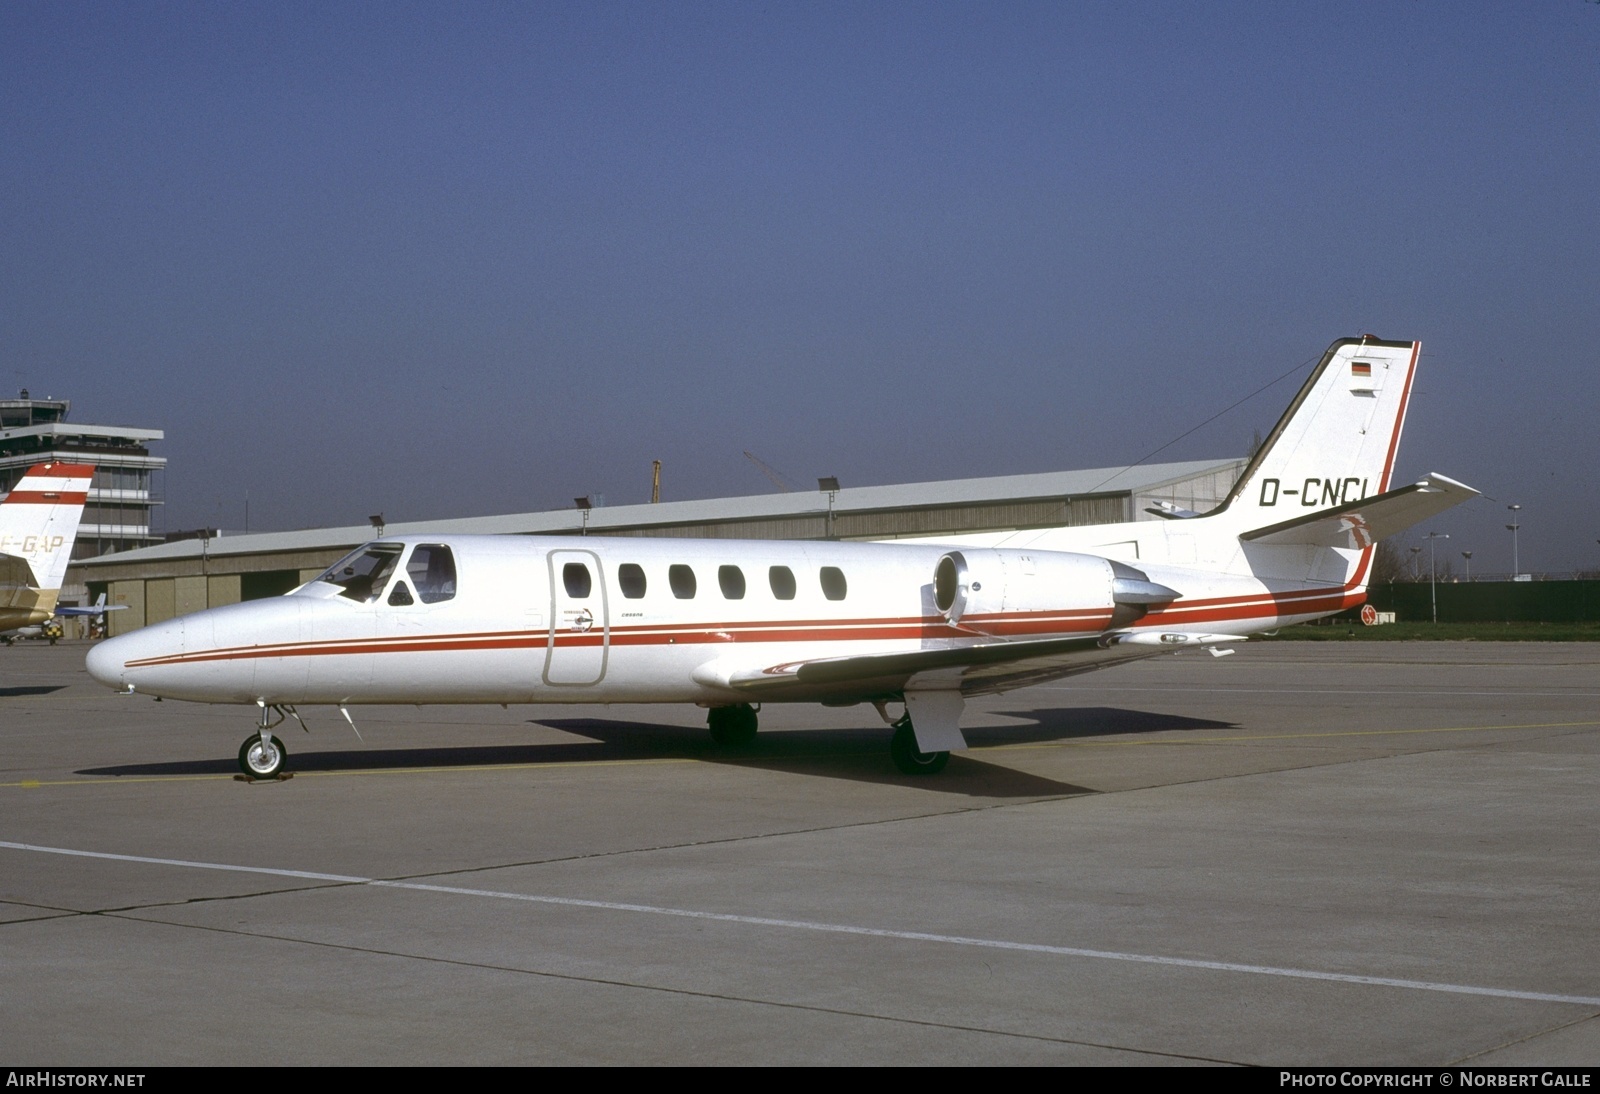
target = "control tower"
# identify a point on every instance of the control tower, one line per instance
(121, 498)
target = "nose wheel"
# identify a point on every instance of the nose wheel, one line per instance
(262, 755)
(262, 758)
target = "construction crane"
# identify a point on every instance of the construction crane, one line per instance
(779, 479)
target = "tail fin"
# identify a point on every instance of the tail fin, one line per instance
(1335, 445)
(38, 524)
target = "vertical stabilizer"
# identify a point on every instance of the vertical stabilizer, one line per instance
(38, 523)
(1336, 443)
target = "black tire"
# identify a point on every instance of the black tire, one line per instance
(261, 763)
(733, 727)
(903, 748)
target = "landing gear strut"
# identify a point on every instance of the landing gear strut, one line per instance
(732, 727)
(903, 749)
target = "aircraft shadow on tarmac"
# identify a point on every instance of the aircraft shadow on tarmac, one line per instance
(1079, 723)
(858, 754)
(21, 692)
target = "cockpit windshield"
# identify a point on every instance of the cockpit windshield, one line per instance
(362, 574)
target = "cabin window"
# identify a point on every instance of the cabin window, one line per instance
(432, 569)
(630, 579)
(781, 578)
(575, 576)
(833, 583)
(681, 578)
(400, 596)
(731, 578)
(362, 574)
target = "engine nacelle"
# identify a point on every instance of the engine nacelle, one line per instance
(1032, 594)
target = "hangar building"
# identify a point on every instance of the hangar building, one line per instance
(170, 579)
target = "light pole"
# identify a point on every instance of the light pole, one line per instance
(829, 484)
(1433, 580)
(1516, 565)
(1468, 556)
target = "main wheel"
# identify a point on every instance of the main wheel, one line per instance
(903, 748)
(261, 761)
(732, 727)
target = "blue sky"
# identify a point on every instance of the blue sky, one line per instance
(442, 260)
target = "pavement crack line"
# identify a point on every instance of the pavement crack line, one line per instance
(721, 997)
(822, 927)
(1534, 1036)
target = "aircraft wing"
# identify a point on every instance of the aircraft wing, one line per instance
(973, 670)
(1359, 524)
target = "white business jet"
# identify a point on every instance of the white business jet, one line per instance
(38, 524)
(728, 624)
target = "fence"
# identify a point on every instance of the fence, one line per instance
(1491, 601)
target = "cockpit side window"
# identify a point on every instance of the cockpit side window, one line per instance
(362, 574)
(432, 569)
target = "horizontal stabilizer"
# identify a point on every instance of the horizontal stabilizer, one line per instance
(15, 572)
(1360, 524)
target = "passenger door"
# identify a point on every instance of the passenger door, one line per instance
(580, 623)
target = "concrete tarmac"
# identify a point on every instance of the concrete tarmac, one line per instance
(1339, 853)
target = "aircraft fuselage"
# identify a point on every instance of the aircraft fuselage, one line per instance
(533, 619)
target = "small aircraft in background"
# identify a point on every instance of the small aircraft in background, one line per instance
(38, 525)
(729, 624)
(51, 628)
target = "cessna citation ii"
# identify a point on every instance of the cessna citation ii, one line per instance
(731, 624)
(38, 524)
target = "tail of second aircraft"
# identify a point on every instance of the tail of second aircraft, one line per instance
(38, 524)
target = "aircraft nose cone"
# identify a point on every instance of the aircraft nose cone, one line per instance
(106, 662)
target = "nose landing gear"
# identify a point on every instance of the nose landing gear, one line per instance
(262, 755)
(262, 758)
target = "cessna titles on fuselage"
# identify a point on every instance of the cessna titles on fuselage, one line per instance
(1314, 492)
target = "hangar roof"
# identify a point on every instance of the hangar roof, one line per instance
(1050, 484)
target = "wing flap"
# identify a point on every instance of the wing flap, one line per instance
(971, 669)
(1359, 524)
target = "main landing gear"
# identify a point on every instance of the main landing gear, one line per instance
(903, 750)
(732, 727)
